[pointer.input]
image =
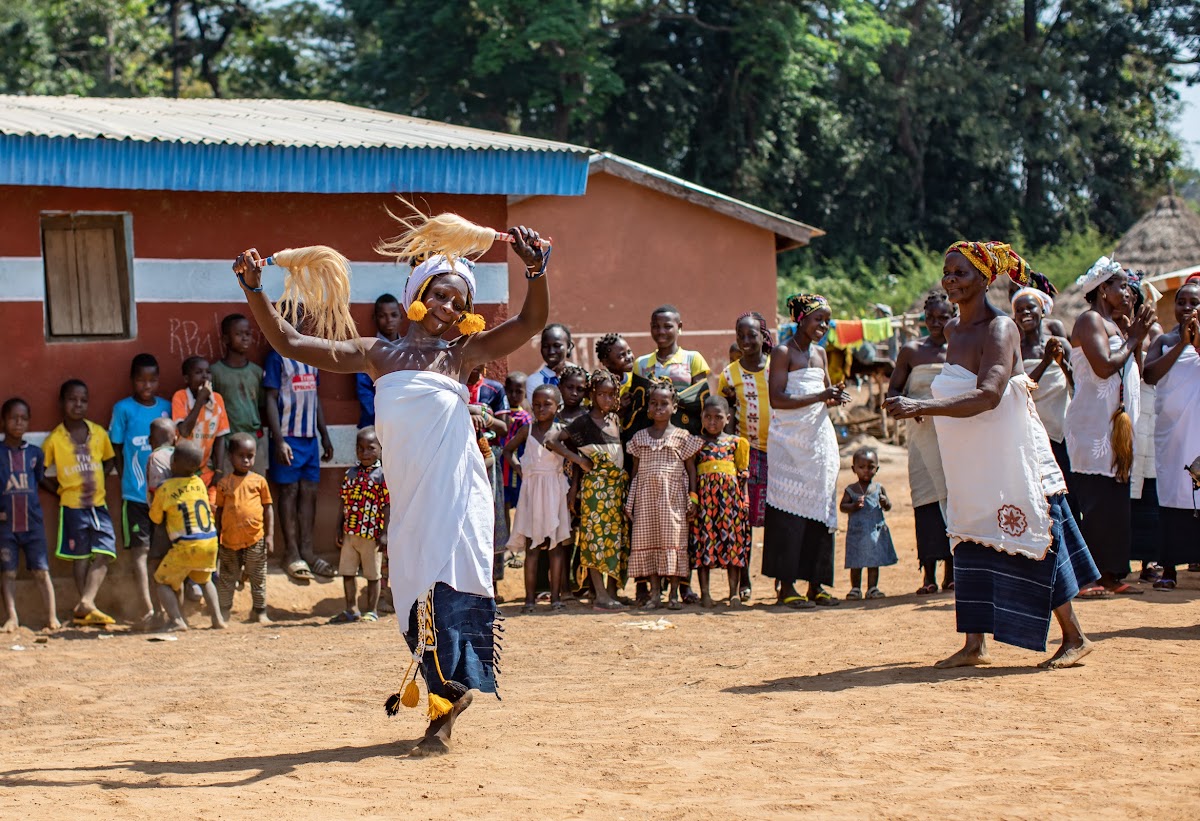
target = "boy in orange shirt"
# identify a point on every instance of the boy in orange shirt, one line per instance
(199, 413)
(245, 528)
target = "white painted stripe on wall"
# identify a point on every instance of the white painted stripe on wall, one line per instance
(212, 280)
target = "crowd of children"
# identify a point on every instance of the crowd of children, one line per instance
(626, 471)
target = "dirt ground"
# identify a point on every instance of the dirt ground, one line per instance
(758, 713)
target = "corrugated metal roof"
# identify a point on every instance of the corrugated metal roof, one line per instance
(270, 146)
(295, 123)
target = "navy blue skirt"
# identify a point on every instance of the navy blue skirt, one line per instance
(466, 649)
(1012, 597)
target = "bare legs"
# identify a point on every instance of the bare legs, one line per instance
(141, 576)
(297, 514)
(734, 575)
(89, 575)
(8, 592)
(171, 604)
(350, 588)
(437, 735)
(1075, 644)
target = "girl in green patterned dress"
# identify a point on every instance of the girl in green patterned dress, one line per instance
(593, 444)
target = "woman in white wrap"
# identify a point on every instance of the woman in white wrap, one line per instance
(1104, 362)
(1173, 366)
(1018, 555)
(440, 533)
(1046, 362)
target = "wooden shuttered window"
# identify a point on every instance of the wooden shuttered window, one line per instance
(88, 265)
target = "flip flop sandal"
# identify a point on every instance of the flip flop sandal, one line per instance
(744, 594)
(1125, 590)
(369, 616)
(875, 593)
(674, 605)
(323, 568)
(528, 609)
(691, 598)
(1164, 584)
(608, 607)
(825, 599)
(298, 572)
(927, 589)
(93, 618)
(854, 595)
(798, 603)
(556, 606)
(947, 587)
(1096, 591)
(345, 617)
(1149, 574)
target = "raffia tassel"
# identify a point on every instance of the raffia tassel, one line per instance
(447, 234)
(392, 705)
(438, 707)
(1122, 444)
(417, 311)
(317, 284)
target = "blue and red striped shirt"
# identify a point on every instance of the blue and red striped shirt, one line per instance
(21, 469)
(297, 386)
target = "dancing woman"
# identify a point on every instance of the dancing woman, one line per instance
(440, 533)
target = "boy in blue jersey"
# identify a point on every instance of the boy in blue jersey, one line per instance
(299, 443)
(22, 466)
(130, 436)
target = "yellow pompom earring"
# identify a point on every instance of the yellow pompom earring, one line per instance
(417, 311)
(471, 324)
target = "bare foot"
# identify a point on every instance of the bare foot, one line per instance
(174, 626)
(219, 624)
(145, 623)
(965, 658)
(1067, 656)
(706, 600)
(53, 625)
(735, 601)
(652, 605)
(430, 747)
(260, 618)
(437, 737)
(10, 626)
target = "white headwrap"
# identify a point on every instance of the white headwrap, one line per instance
(1046, 301)
(1098, 274)
(435, 266)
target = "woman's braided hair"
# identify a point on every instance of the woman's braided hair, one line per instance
(939, 298)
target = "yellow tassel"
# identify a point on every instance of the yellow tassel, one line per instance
(412, 695)
(417, 311)
(1122, 444)
(471, 324)
(438, 707)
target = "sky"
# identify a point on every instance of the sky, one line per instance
(1187, 127)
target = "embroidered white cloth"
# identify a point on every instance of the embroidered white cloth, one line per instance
(1177, 434)
(803, 454)
(1052, 398)
(1143, 443)
(1089, 418)
(926, 480)
(998, 469)
(442, 508)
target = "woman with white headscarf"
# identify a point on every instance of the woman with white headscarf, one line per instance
(1047, 363)
(440, 533)
(1101, 420)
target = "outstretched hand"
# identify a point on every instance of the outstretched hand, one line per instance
(527, 245)
(901, 407)
(246, 265)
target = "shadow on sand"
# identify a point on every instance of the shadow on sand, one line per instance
(879, 675)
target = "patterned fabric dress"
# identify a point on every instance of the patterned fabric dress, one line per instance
(721, 530)
(602, 539)
(658, 499)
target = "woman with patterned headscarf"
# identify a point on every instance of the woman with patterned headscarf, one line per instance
(1018, 555)
(1102, 419)
(802, 450)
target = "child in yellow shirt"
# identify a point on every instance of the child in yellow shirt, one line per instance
(182, 502)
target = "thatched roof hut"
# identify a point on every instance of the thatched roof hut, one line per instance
(1164, 241)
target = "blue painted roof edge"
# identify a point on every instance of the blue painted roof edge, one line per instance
(170, 166)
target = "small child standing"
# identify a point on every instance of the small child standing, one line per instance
(130, 435)
(721, 529)
(163, 436)
(362, 527)
(662, 497)
(21, 529)
(518, 417)
(573, 385)
(542, 520)
(78, 457)
(199, 414)
(182, 503)
(868, 540)
(245, 528)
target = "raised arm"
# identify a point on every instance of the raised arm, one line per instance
(1091, 335)
(515, 332)
(336, 357)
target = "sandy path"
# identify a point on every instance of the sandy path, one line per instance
(754, 714)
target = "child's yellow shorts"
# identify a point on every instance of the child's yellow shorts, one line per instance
(195, 560)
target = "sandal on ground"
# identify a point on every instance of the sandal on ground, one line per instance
(826, 599)
(797, 603)
(927, 589)
(557, 605)
(744, 594)
(1094, 591)
(875, 593)
(1149, 574)
(323, 568)
(345, 617)
(528, 608)
(691, 597)
(611, 606)
(1164, 584)
(93, 618)
(1123, 589)
(947, 587)
(854, 595)
(674, 605)
(298, 572)
(369, 616)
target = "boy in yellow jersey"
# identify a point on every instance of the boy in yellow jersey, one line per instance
(182, 502)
